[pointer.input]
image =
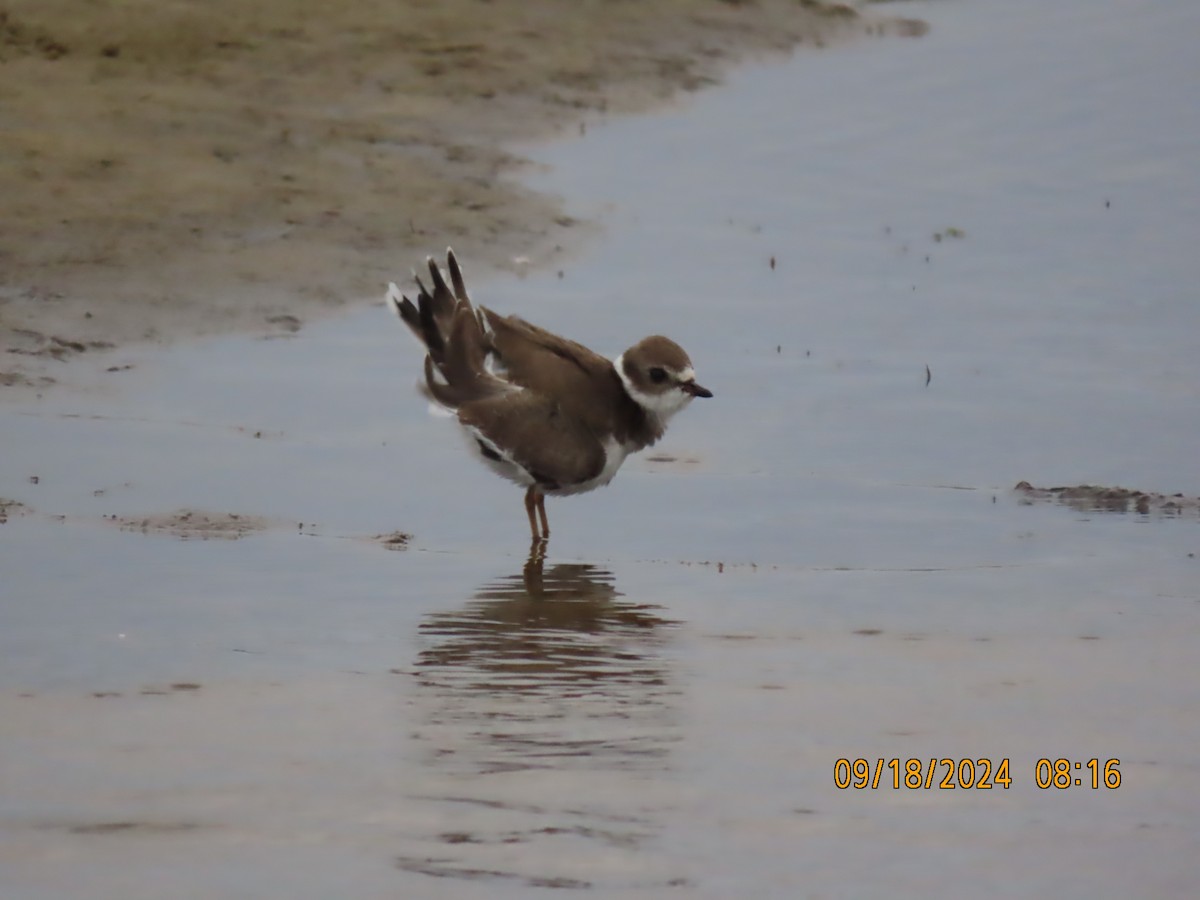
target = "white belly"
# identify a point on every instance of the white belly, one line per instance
(614, 455)
(505, 466)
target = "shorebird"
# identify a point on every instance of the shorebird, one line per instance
(539, 409)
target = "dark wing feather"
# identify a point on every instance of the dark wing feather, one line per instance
(448, 325)
(432, 317)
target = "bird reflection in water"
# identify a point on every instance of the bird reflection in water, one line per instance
(550, 668)
(545, 712)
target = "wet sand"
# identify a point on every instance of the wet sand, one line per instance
(187, 170)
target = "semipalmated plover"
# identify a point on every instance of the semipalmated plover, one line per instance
(539, 409)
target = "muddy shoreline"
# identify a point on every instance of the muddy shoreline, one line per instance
(181, 171)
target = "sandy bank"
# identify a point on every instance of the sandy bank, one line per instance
(183, 169)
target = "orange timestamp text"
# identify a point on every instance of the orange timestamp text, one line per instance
(947, 773)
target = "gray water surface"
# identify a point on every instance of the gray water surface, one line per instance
(826, 562)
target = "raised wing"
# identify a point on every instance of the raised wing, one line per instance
(543, 362)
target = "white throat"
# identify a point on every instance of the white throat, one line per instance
(661, 406)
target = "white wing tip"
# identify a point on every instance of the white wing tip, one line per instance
(393, 298)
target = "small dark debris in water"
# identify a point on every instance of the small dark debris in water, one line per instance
(103, 827)
(560, 274)
(121, 827)
(951, 232)
(443, 868)
(185, 686)
(1107, 204)
(124, 368)
(100, 695)
(772, 264)
(833, 10)
(564, 883)
(287, 322)
(34, 479)
(1096, 498)
(928, 376)
(397, 540)
(9, 379)
(779, 348)
(868, 632)
(63, 343)
(910, 27)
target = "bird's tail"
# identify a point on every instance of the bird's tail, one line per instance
(451, 330)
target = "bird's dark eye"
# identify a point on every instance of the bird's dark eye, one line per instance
(658, 375)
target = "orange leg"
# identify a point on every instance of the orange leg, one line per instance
(530, 505)
(541, 508)
(535, 500)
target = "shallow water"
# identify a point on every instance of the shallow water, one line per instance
(833, 565)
